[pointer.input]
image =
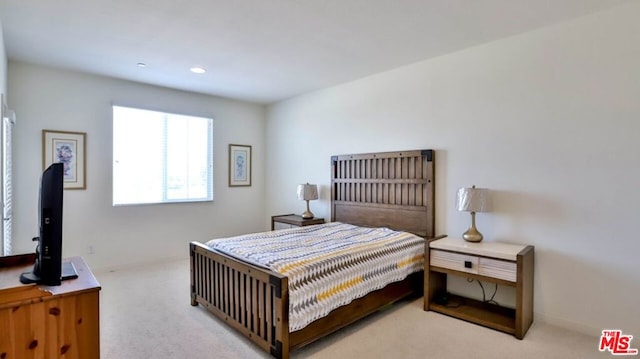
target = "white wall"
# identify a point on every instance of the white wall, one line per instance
(47, 98)
(549, 120)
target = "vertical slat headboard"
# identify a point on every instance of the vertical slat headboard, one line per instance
(385, 189)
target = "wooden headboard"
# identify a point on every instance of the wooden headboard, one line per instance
(385, 189)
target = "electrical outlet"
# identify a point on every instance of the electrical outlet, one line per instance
(90, 249)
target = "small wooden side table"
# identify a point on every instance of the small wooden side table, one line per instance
(292, 220)
(495, 262)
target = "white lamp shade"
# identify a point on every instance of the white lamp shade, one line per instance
(307, 192)
(473, 200)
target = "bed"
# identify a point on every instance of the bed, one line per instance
(393, 190)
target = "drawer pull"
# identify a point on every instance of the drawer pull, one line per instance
(467, 264)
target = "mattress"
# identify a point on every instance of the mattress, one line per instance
(328, 265)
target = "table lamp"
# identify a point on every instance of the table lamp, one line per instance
(473, 200)
(307, 192)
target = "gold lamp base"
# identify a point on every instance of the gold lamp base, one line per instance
(472, 234)
(307, 214)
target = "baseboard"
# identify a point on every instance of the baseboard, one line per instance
(149, 262)
(568, 324)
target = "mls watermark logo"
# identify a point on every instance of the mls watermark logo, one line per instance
(617, 343)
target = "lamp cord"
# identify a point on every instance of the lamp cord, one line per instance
(484, 297)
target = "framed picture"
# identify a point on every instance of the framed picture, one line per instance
(239, 165)
(67, 148)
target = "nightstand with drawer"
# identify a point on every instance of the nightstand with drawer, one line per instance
(292, 220)
(495, 262)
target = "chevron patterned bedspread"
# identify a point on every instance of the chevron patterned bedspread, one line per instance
(329, 265)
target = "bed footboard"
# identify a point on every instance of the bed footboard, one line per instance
(252, 300)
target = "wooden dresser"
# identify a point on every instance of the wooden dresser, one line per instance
(38, 321)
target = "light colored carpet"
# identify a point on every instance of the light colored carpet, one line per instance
(146, 313)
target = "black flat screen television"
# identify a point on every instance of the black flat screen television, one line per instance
(48, 265)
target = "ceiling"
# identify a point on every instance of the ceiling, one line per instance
(262, 50)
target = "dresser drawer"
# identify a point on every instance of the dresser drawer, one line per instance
(456, 261)
(488, 267)
(498, 268)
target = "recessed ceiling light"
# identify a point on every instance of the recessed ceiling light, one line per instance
(198, 70)
(142, 64)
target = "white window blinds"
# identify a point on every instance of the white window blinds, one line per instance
(161, 157)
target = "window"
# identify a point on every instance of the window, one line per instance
(161, 157)
(8, 119)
